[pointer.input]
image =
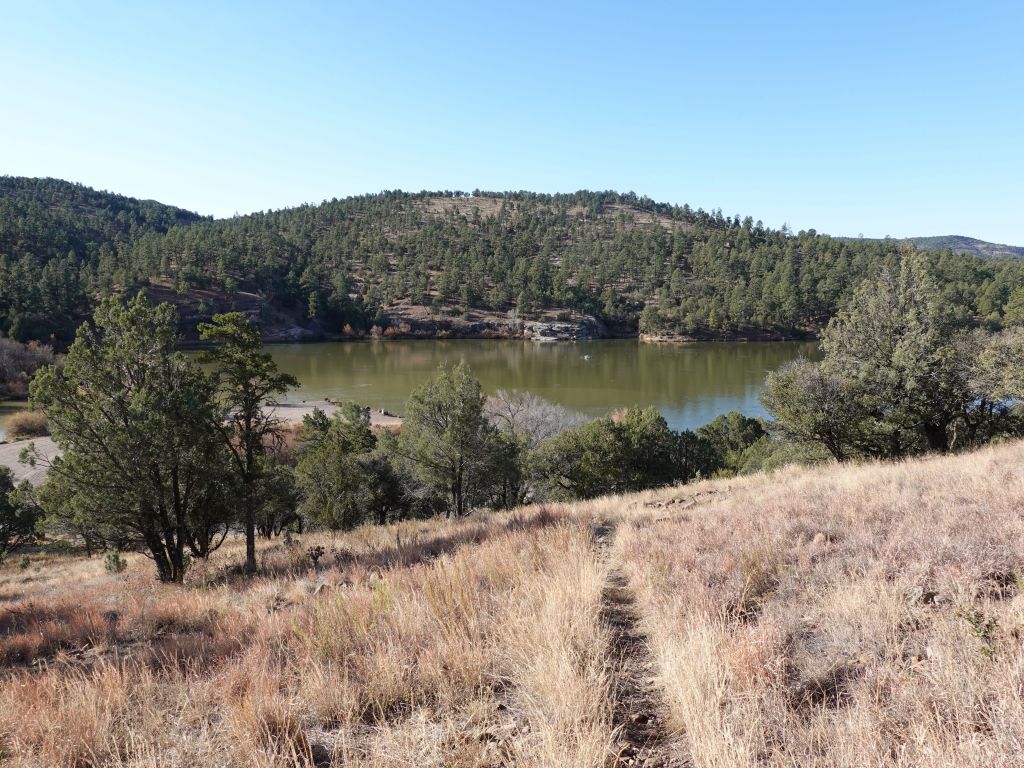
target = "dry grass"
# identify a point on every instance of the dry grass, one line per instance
(26, 424)
(475, 643)
(855, 616)
(866, 615)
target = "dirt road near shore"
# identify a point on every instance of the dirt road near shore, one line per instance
(9, 453)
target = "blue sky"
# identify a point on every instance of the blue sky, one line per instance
(876, 118)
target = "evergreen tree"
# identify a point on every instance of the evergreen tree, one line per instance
(142, 462)
(18, 516)
(247, 385)
(449, 444)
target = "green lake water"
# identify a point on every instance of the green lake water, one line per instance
(690, 384)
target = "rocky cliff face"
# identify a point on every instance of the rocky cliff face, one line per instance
(568, 330)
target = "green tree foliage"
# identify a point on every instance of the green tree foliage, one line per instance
(342, 477)
(606, 456)
(328, 479)
(625, 258)
(18, 517)
(62, 243)
(525, 421)
(729, 437)
(449, 444)
(580, 463)
(998, 373)
(894, 342)
(898, 376)
(247, 385)
(383, 493)
(277, 497)
(812, 406)
(1013, 312)
(143, 464)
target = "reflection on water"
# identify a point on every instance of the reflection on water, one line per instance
(690, 384)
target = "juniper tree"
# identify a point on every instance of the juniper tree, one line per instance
(142, 464)
(448, 442)
(18, 517)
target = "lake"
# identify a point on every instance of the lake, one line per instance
(690, 384)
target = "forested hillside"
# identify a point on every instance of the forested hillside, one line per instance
(62, 245)
(345, 266)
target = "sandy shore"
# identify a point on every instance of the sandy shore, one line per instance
(292, 413)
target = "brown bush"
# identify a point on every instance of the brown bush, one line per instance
(27, 424)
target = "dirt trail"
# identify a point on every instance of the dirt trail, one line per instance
(638, 711)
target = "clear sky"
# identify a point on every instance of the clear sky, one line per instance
(881, 118)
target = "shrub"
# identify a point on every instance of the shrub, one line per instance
(18, 363)
(114, 563)
(27, 424)
(315, 553)
(18, 518)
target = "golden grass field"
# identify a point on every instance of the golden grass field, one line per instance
(836, 616)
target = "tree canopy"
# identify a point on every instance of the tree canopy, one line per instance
(361, 261)
(142, 462)
(899, 376)
(247, 384)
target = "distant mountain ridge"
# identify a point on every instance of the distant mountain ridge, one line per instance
(963, 244)
(960, 244)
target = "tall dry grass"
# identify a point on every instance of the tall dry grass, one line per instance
(25, 424)
(476, 644)
(847, 616)
(841, 616)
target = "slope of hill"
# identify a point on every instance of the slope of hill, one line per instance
(55, 239)
(830, 616)
(956, 244)
(50, 218)
(449, 263)
(961, 244)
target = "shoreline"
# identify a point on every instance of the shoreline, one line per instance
(292, 413)
(745, 338)
(639, 338)
(408, 323)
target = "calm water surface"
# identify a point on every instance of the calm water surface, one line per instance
(690, 384)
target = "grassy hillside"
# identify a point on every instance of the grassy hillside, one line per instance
(844, 615)
(436, 263)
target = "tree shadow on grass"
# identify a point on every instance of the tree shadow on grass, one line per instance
(283, 560)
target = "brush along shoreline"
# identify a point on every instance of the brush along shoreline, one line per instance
(290, 414)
